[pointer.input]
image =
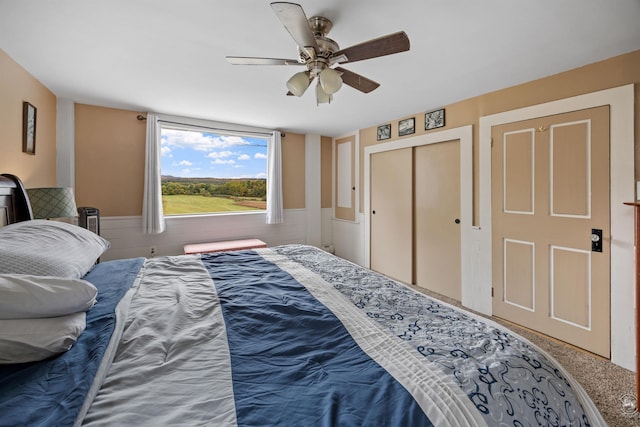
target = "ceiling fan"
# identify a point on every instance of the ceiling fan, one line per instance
(319, 54)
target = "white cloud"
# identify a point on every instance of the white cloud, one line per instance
(261, 175)
(223, 162)
(260, 156)
(185, 163)
(165, 151)
(199, 141)
(244, 157)
(219, 154)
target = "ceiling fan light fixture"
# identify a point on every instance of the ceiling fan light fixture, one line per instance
(330, 80)
(322, 97)
(298, 83)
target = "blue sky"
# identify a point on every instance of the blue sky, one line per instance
(191, 154)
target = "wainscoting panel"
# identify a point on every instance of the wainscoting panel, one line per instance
(128, 241)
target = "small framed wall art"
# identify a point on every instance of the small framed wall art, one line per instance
(28, 128)
(434, 119)
(384, 132)
(406, 126)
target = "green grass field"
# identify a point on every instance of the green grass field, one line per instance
(189, 204)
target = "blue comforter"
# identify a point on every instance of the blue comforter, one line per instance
(51, 392)
(293, 362)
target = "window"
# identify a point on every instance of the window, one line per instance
(208, 172)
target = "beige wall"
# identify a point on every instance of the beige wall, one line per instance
(293, 171)
(110, 151)
(17, 86)
(109, 163)
(617, 71)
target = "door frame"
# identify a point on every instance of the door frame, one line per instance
(465, 135)
(622, 177)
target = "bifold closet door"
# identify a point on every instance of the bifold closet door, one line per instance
(391, 201)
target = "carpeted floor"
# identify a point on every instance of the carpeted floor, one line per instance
(611, 387)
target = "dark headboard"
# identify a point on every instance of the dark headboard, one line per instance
(14, 202)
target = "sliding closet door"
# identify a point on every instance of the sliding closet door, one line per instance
(391, 202)
(437, 218)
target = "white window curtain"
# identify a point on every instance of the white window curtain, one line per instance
(275, 212)
(152, 214)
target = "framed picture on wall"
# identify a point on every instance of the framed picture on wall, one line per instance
(406, 126)
(384, 132)
(434, 119)
(28, 128)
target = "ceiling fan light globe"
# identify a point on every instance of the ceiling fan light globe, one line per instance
(330, 80)
(322, 97)
(298, 83)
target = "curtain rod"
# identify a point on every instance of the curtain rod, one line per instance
(141, 117)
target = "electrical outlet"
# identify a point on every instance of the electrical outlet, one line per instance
(152, 251)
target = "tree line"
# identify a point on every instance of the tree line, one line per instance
(215, 187)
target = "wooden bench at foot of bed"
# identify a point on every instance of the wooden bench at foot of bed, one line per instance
(229, 245)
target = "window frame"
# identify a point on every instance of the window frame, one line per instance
(201, 128)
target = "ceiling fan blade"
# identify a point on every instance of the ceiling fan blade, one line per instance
(295, 21)
(385, 45)
(245, 60)
(357, 81)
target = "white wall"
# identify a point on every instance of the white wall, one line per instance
(348, 239)
(128, 240)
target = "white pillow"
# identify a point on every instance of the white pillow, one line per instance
(29, 340)
(25, 296)
(49, 248)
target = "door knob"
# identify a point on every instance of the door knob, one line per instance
(596, 240)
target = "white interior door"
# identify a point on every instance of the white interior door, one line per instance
(550, 189)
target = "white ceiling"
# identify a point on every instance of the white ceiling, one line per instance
(168, 56)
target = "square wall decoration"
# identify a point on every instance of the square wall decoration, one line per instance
(384, 132)
(406, 126)
(434, 119)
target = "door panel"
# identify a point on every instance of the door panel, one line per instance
(570, 183)
(550, 187)
(570, 286)
(518, 172)
(519, 276)
(345, 194)
(437, 206)
(391, 199)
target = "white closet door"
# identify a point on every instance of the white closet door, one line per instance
(392, 214)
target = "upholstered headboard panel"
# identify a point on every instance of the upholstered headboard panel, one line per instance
(14, 202)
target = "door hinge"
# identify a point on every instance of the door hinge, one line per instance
(491, 292)
(491, 142)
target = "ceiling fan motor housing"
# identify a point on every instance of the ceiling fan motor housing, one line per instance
(318, 60)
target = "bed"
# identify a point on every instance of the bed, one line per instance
(288, 336)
